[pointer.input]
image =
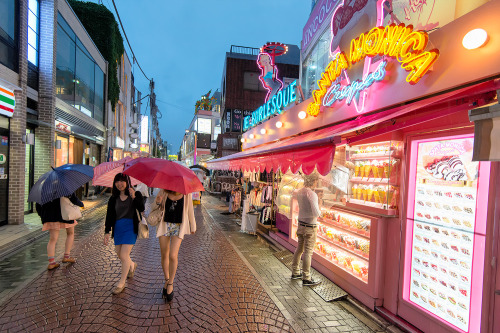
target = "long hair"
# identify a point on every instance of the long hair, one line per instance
(120, 176)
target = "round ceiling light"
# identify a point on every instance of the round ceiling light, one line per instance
(251, 136)
(279, 124)
(475, 39)
(263, 131)
(242, 140)
(302, 115)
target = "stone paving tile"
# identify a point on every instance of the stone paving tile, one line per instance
(214, 291)
(22, 266)
(306, 308)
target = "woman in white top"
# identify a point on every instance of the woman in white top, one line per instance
(178, 220)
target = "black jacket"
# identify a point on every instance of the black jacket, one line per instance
(51, 211)
(138, 203)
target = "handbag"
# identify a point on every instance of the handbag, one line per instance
(156, 214)
(143, 227)
(69, 211)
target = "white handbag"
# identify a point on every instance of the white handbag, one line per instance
(69, 211)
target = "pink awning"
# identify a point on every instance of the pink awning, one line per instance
(302, 151)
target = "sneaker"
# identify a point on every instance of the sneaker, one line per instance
(296, 276)
(69, 260)
(310, 282)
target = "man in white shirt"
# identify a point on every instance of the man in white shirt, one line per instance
(307, 230)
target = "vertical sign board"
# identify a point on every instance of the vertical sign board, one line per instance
(227, 121)
(236, 121)
(7, 102)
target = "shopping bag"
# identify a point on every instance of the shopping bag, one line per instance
(69, 211)
(143, 227)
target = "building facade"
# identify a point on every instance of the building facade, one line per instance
(53, 100)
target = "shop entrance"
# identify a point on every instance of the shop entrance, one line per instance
(77, 159)
(28, 171)
(4, 168)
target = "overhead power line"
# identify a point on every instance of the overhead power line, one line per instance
(133, 55)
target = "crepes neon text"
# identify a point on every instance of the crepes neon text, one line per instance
(338, 93)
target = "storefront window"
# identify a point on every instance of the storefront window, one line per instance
(62, 154)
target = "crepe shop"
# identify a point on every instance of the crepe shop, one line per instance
(401, 126)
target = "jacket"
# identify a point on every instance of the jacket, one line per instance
(109, 225)
(188, 224)
(51, 211)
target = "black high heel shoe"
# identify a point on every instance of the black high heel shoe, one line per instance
(164, 292)
(170, 296)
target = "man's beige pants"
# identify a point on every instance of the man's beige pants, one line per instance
(307, 239)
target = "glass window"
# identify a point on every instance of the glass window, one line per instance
(99, 95)
(9, 18)
(65, 67)
(63, 152)
(84, 93)
(79, 81)
(33, 31)
(315, 63)
(63, 24)
(251, 81)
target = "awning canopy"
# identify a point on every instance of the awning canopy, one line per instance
(301, 151)
(317, 149)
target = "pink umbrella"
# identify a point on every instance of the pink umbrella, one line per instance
(105, 173)
(164, 174)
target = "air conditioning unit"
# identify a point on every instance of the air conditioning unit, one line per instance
(134, 125)
(134, 135)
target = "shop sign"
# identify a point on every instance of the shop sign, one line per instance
(7, 102)
(3, 159)
(3, 176)
(120, 143)
(144, 147)
(394, 41)
(275, 105)
(63, 127)
(5, 140)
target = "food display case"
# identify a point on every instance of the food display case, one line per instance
(445, 233)
(374, 177)
(289, 184)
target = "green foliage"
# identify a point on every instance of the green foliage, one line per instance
(205, 103)
(101, 25)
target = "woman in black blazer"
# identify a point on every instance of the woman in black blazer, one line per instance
(123, 222)
(50, 214)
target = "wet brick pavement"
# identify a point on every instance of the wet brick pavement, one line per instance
(227, 281)
(22, 266)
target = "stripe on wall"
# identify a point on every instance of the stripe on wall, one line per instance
(7, 102)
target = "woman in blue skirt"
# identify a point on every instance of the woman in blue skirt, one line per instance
(123, 222)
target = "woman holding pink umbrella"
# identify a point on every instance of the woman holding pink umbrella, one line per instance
(176, 204)
(178, 220)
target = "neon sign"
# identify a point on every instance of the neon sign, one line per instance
(269, 75)
(336, 93)
(275, 105)
(395, 41)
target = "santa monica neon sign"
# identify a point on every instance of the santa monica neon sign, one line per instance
(395, 41)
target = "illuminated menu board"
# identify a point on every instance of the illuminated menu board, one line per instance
(444, 216)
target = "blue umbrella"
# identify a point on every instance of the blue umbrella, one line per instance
(60, 182)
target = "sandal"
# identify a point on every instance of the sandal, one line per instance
(132, 271)
(117, 290)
